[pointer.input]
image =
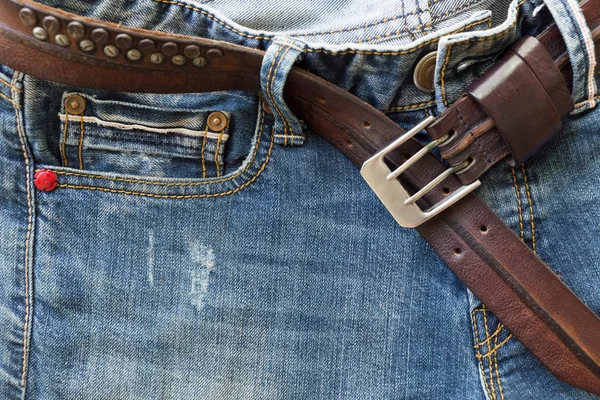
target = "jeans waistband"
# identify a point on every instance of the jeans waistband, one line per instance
(370, 50)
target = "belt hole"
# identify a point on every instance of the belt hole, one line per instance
(483, 229)
(367, 125)
(322, 100)
(446, 191)
(457, 251)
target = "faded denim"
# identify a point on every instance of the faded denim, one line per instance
(255, 263)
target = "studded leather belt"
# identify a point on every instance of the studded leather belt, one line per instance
(480, 129)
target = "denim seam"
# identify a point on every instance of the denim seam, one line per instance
(190, 196)
(216, 156)
(496, 347)
(487, 335)
(481, 39)
(12, 88)
(497, 367)
(478, 353)
(519, 204)
(410, 107)
(531, 216)
(63, 147)
(439, 17)
(28, 249)
(403, 15)
(271, 81)
(80, 149)
(202, 157)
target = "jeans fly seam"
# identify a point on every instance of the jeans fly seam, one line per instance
(496, 347)
(63, 149)
(501, 390)
(478, 353)
(531, 216)
(28, 249)
(519, 204)
(481, 39)
(80, 148)
(209, 15)
(487, 336)
(179, 184)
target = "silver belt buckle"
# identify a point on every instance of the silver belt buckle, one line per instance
(392, 194)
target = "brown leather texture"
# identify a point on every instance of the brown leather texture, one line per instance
(535, 305)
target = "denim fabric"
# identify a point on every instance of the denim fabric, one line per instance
(264, 267)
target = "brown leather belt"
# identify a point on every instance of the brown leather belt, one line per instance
(473, 134)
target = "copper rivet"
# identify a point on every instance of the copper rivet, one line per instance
(217, 121)
(178, 60)
(134, 55)
(76, 29)
(169, 48)
(100, 36)
(146, 45)
(123, 41)
(87, 45)
(214, 54)
(51, 24)
(27, 16)
(191, 51)
(111, 51)
(40, 33)
(75, 104)
(200, 62)
(62, 40)
(424, 73)
(157, 58)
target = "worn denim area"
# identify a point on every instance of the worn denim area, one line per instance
(173, 262)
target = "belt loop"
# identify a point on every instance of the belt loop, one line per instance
(580, 45)
(279, 59)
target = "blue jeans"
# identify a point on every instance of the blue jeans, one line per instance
(178, 261)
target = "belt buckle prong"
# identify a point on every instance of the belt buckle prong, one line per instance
(395, 197)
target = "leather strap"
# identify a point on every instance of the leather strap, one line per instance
(536, 306)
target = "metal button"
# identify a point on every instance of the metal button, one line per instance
(111, 51)
(191, 51)
(27, 16)
(178, 60)
(75, 104)
(87, 45)
(62, 40)
(76, 29)
(134, 55)
(214, 54)
(40, 33)
(217, 121)
(100, 36)
(146, 45)
(123, 41)
(169, 48)
(200, 62)
(424, 73)
(157, 58)
(51, 24)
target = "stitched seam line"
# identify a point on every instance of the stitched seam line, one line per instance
(202, 157)
(28, 302)
(589, 46)
(80, 150)
(12, 88)
(403, 15)
(519, 205)
(410, 107)
(531, 217)
(496, 348)
(402, 31)
(496, 364)
(5, 97)
(201, 11)
(478, 354)
(190, 196)
(487, 336)
(482, 39)
(492, 336)
(63, 149)
(586, 102)
(271, 81)
(255, 152)
(217, 155)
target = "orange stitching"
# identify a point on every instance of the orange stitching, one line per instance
(217, 154)
(27, 247)
(417, 11)
(214, 19)
(10, 86)
(496, 364)
(271, 76)
(520, 207)
(410, 107)
(586, 102)
(487, 336)
(80, 153)
(189, 196)
(256, 147)
(478, 354)
(496, 347)
(531, 218)
(493, 335)
(10, 100)
(481, 39)
(405, 29)
(202, 156)
(63, 149)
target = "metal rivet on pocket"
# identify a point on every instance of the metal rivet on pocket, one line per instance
(217, 121)
(51, 24)
(75, 104)
(76, 29)
(27, 16)
(40, 33)
(62, 40)
(424, 73)
(87, 45)
(45, 180)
